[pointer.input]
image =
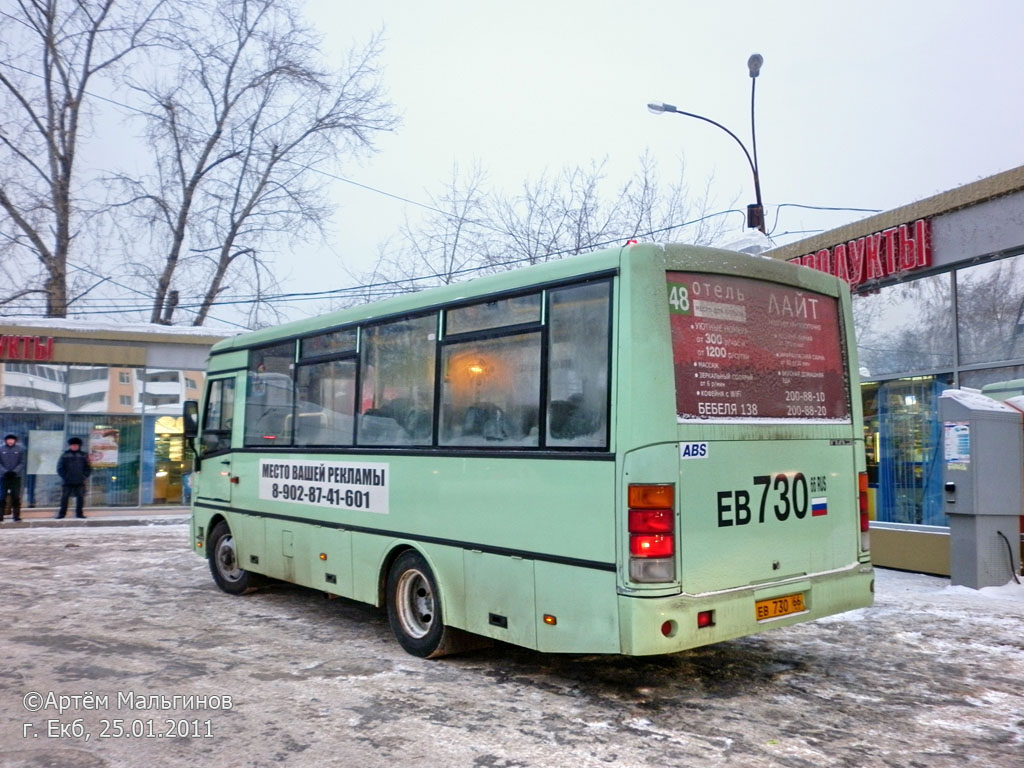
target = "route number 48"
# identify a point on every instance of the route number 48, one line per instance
(679, 298)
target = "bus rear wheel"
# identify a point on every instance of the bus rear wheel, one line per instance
(227, 573)
(414, 608)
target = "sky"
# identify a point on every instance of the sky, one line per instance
(860, 105)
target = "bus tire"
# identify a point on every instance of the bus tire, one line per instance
(414, 608)
(227, 573)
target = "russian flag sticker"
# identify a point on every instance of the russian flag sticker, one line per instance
(819, 507)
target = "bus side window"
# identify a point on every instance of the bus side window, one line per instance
(397, 387)
(326, 398)
(268, 397)
(491, 391)
(578, 366)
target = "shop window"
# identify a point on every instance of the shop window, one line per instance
(906, 327)
(577, 405)
(903, 449)
(1000, 383)
(167, 461)
(163, 391)
(30, 387)
(113, 444)
(43, 439)
(396, 399)
(88, 388)
(490, 392)
(990, 311)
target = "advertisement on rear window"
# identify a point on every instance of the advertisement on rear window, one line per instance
(747, 349)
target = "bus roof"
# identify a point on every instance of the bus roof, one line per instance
(537, 274)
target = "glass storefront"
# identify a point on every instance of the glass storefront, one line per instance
(963, 328)
(129, 420)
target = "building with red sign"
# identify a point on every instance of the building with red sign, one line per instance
(119, 388)
(938, 301)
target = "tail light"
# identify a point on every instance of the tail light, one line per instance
(652, 542)
(865, 536)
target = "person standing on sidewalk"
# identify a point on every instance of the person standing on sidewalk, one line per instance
(12, 462)
(74, 469)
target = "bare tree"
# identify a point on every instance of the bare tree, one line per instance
(472, 230)
(237, 127)
(52, 51)
(441, 247)
(572, 212)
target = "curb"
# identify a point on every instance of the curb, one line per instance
(98, 522)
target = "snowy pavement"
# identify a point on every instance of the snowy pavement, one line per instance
(120, 621)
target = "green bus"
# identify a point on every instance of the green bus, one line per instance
(634, 451)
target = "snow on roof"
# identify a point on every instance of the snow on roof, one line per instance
(91, 326)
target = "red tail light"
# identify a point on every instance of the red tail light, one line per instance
(651, 546)
(862, 483)
(651, 521)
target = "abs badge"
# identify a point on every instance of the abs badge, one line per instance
(819, 507)
(693, 450)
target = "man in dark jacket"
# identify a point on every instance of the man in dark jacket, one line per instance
(74, 469)
(12, 462)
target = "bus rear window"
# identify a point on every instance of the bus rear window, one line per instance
(748, 349)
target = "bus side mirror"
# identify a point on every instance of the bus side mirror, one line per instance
(191, 419)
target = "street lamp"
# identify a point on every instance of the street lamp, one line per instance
(755, 211)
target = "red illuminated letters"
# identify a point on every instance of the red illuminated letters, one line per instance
(875, 256)
(34, 348)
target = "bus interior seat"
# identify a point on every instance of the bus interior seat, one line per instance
(486, 420)
(570, 418)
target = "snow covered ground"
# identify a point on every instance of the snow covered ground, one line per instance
(931, 675)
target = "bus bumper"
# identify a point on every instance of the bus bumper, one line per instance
(669, 624)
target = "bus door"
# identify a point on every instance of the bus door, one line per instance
(215, 445)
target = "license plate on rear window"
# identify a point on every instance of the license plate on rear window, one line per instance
(779, 606)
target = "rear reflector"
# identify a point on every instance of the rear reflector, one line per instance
(705, 619)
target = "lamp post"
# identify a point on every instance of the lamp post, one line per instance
(755, 211)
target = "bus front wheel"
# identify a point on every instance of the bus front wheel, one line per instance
(227, 573)
(414, 608)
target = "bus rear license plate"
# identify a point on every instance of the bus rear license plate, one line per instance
(779, 606)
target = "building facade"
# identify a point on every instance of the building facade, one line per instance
(938, 301)
(119, 388)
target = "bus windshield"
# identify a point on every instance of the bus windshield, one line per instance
(750, 349)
